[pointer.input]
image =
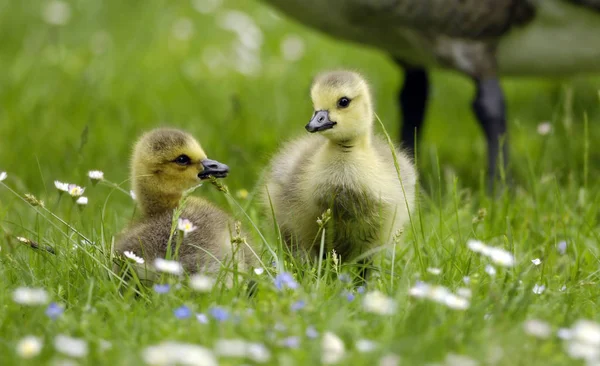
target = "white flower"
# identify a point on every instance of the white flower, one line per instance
(82, 201)
(376, 302)
(29, 346)
(466, 280)
(489, 269)
(476, 245)
(563, 288)
(538, 289)
(464, 292)
(185, 225)
(456, 302)
(235, 348)
(167, 266)
(365, 345)
(292, 48)
(586, 331)
(537, 328)
(64, 187)
(536, 261)
(206, 6)
(30, 296)
(133, 257)
(501, 257)
(258, 352)
(132, 194)
(434, 271)
(497, 255)
(201, 283)
(583, 351)
(3, 176)
(96, 175)
(172, 353)
(332, 348)
(459, 360)
(564, 334)
(544, 128)
(259, 270)
(57, 12)
(75, 190)
(104, 345)
(389, 360)
(73, 347)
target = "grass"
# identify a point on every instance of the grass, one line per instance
(74, 97)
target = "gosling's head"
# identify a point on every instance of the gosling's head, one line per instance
(342, 104)
(167, 161)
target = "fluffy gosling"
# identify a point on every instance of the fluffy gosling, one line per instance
(165, 163)
(344, 167)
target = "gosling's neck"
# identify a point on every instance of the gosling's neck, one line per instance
(355, 144)
(153, 202)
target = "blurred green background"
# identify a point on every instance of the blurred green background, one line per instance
(80, 80)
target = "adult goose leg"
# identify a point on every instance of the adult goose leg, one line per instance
(490, 110)
(413, 104)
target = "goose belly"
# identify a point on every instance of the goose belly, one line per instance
(563, 39)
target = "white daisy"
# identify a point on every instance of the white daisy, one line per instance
(167, 266)
(544, 128)
(587, 331)
(172, 353)
(30, 296)
(258, 352)
(434, 271)
(133, 257)
(73, 347)
(365, 345)
(537, 328)
(75, 190)
(259, 270)
(63, 187)
(29, 346)
(82, 201)
(378, 303)
(96, 175)
(201, 283)
(333, 349)
(536, 261)
(185, 225)
(3, 176)
(539, 289)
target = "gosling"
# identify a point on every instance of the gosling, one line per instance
(167, 162)
(342, 166)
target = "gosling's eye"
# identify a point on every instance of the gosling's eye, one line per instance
(343, 102)
(183, 160)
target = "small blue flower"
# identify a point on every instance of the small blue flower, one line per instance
(349, 296)
(344, 277)
(311, 332)
(182, 312)
(298, 305)
(202, 318)
(291, 342)
(219, 313)
(285, 279)
(360, 289)
(161, 289)
(54, 310)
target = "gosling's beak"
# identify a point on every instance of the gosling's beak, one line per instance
(320, 122)
(213, 168)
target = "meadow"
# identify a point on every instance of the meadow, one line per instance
(81, 80)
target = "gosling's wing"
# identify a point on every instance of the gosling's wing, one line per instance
(471, 19)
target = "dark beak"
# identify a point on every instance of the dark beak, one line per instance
(213, 168)
(320, 122)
